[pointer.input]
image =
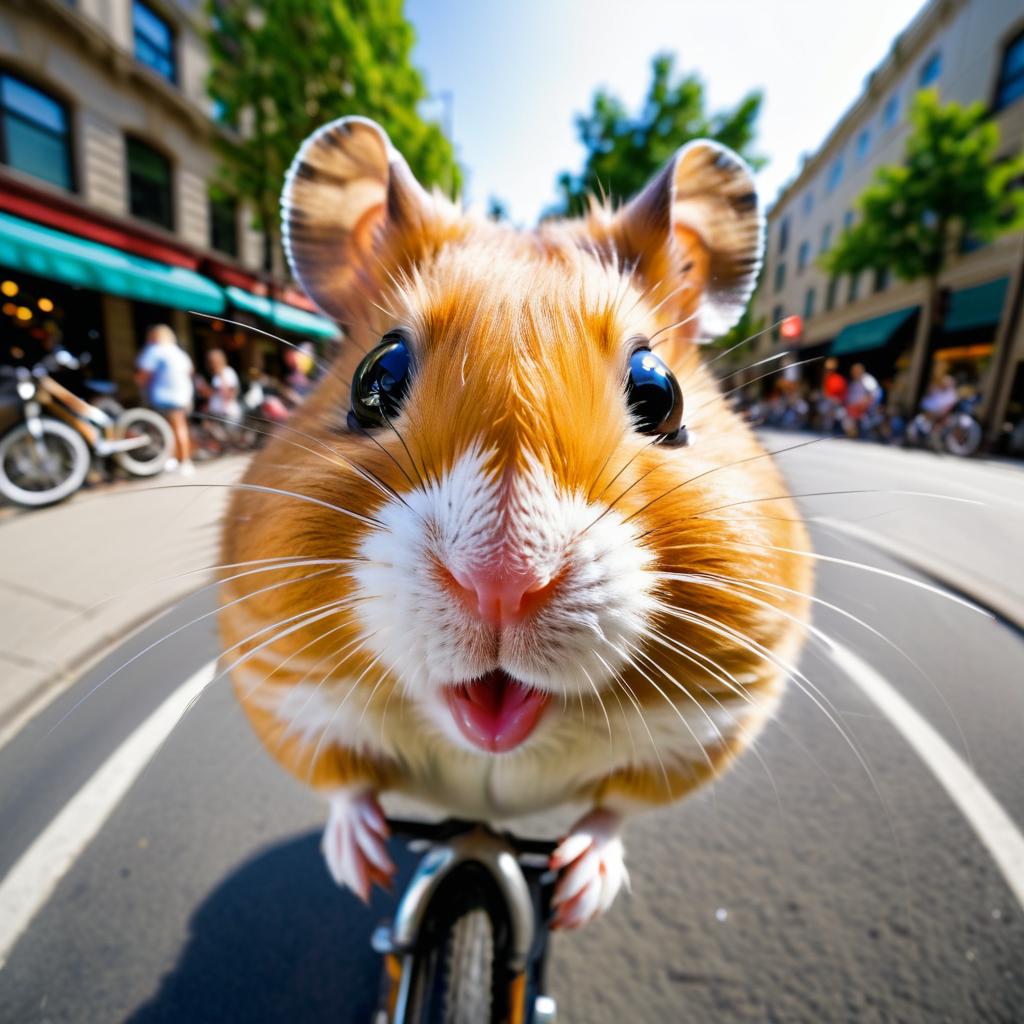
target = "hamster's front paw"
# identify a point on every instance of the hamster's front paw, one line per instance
(354, 842)
(593, 869)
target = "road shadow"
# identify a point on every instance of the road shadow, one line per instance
(278, 941)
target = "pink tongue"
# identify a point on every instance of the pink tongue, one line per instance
(496, 712)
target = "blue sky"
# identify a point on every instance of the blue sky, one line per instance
(519, 71)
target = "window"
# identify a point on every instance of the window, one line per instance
(891, 112)
(835, 174)
(34, 135)
(783, 234)
(224, 226)
(776, 321)
(1010, 86)
(851, 291)
(830, 295)
(808, 202)
(930, 70)
(803, 255)
(848, 220)
(154, 41)
(809, 304)
(826, 237)
(780, 277)
(149, 184)
(881, 279)
(863, 145)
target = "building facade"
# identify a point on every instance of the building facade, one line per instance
(109, 219)
(969, 50)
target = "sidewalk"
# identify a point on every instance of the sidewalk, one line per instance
(76, 578)
(957, 521)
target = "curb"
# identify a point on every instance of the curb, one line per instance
(1007, 607)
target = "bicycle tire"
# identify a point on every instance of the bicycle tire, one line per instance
(963, 437)
(78, 459)
(160, 449)
(459, 976)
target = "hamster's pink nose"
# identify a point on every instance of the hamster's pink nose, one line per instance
(502, 599)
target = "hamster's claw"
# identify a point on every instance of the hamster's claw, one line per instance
(355, 843)
(593, 869)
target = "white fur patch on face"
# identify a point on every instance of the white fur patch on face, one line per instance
(475, 517)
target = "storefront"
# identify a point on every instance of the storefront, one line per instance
(966, 343)
(883, 345)
(61, 288)
(93, 287)
(38, 315)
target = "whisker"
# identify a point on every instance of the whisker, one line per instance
(260, 489)
(323, 367)
(632, 661)
(330, 722)
(617, 676)
(721, 396)
(718, 469)
(600, 702)
(168, 636)
(750, 337)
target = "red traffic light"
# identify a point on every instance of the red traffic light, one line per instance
(792, 327)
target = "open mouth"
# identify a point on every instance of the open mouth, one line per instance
(496, 712)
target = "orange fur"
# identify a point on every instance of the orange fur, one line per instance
(521, 342)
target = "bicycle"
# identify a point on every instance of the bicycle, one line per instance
(49, 436)
(468, 942)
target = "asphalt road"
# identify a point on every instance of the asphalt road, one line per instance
(804, 886)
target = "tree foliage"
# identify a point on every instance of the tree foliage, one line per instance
(624, 149)
(950, 186)
(282, 68)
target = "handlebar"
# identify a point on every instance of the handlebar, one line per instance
(440, 831)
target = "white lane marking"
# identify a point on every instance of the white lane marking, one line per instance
(34, 876)
(991, 823)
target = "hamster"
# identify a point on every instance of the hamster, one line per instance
(515, 551)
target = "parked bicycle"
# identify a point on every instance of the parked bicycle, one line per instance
(49, 436)
(958, 432)
(469, 940)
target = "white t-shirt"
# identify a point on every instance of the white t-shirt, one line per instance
(229, 409)
(170, 369)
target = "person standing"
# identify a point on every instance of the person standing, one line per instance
(833, 395)
(225, 388)
(164, 373)
(862, 395)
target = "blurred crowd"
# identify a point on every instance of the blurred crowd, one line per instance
(858, 405)
(213, 413)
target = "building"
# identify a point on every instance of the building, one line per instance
(969, 50)
(107, 219)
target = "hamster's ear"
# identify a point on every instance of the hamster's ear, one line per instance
(346, 188)
(697, 228)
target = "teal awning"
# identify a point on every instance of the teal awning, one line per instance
(283, 315)
(870, 334)
(981, 306)
(77, 261)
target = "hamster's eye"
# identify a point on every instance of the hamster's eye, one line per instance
(381, 382)
(654, 396)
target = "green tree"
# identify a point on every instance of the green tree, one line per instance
(282, 68)
(625, 149)
(913, 217)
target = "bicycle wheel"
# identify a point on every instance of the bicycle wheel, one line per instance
(150, 458)
(964, 436)
(459, 976)
(38, 471)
